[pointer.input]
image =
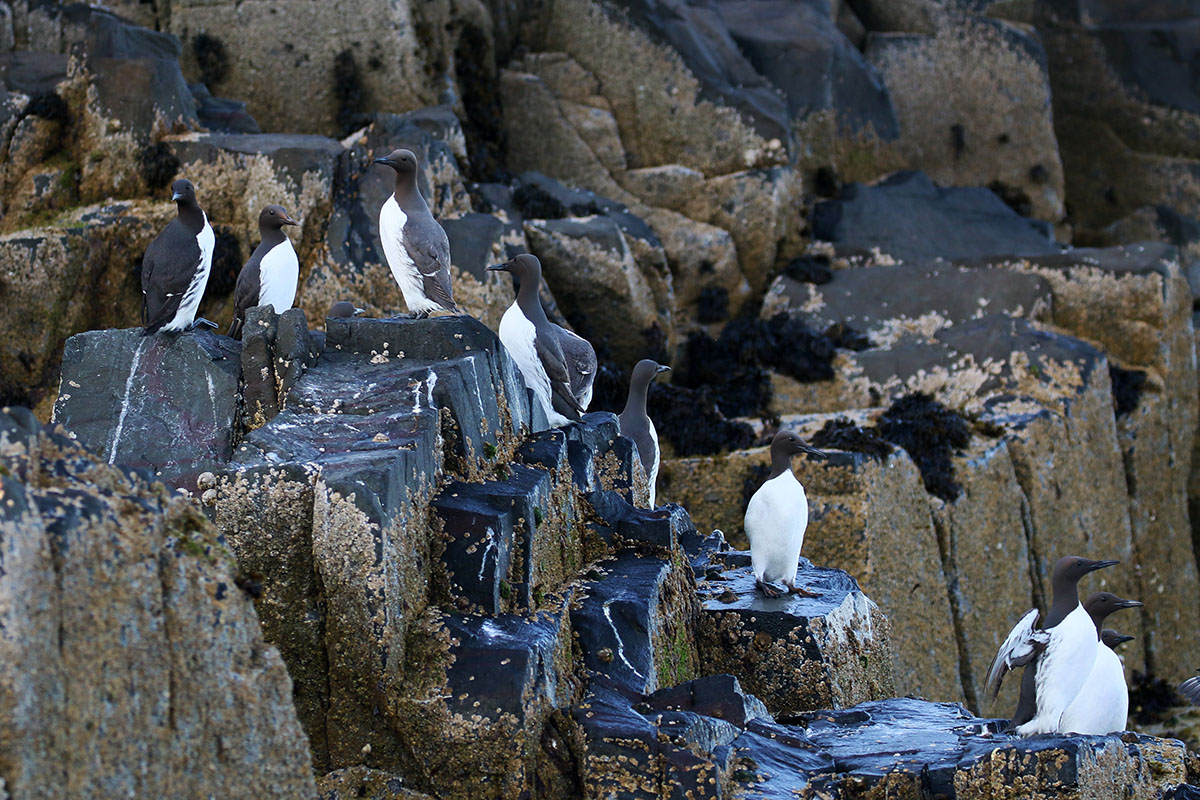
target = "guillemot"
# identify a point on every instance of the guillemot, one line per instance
(414, 244)
(637, 425)
(557, 365)
(272, 273)
(776, 518)
(176, 266)
(1102, 705)
(1057, 658)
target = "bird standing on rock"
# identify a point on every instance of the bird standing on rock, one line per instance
(557, 365)
(1102, 705)
(176, 266)
(272, 273)
(414, 244)
(777, 517)
(637, 425)
(1057, 658)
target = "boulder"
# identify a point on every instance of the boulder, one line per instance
(911, 219)
(164, 403)
(795, 653)
(133, 662)
(65, 278)
(961, 131)
(357, 71)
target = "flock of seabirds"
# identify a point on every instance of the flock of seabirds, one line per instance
(1073, 679)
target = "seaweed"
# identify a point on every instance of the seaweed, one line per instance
(211, 58)
(691, 421)
(842, 434)
(809, 269)
(349, 91)
(158, 165)
(1127, 387)
(712, 305)
(930, 433)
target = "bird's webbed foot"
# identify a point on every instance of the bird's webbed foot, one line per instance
(794, 589)
(208, 323)
(768, 589)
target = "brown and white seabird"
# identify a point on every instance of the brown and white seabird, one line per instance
(1102, 705)
(557, 365)
(414, 244)
(636, 423)
(176, 266)
(271, 275)
(777, 517)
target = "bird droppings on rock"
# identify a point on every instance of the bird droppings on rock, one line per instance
(931, 434)
(1127, 387)
(158, 166)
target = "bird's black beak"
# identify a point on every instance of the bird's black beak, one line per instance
(289, 221)
(498, 268)
(1130, 604)
(661, 369)
(1095, 565)
(358, 311)
(387, 161)
(805, 448)
(1121, 639)
(175, 198)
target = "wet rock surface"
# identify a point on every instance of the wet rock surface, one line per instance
(127, 634)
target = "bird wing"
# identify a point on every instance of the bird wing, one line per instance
(430, 252)
(581, 356)
(1023, 644)
(1191, 690)
(167, 271)
(245, 295)
(561, 396)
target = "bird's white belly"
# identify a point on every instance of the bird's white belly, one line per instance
(391, 235)
(1102, 705)
(652, 478)
(278, 275)
(185, 315)
(517, 334)
(775, 522)
(1061, 670)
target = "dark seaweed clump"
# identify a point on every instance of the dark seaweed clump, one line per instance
(842, 434)
(809, 269)
(1127, 386)
(349, 91)
(535, 202)
(691, 421)
(930, 433)
(712, 305)
(211, 57)
(754, 478)
(157, 165)
(847, 338)
(734, 367)
(1151, 699)
(49, 106)
(226, 264)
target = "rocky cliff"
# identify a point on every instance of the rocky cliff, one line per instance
(951, 241)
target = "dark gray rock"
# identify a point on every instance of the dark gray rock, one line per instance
(793, 652)
(869, 298)
(799, 49)
(276, 349)
(167, 403)
(545, 198)
(292, 154)
(134, 70)
(221, 115)
(31, 72)
(471, 238)
(910, 218)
